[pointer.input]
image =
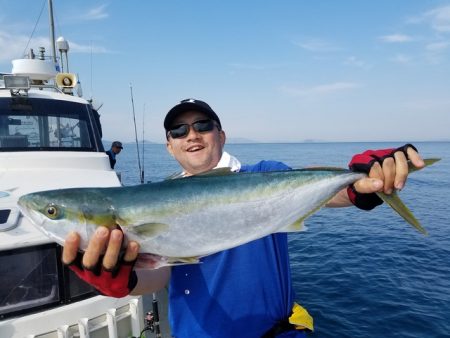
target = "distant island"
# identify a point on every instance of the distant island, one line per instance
(234, 140)
(242, 140)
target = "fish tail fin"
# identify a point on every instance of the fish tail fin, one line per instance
(394, 201)
(428, 162)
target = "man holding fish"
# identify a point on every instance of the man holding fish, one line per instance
(245, 291)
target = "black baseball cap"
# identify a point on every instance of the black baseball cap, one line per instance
(188, 105)
(117, 144)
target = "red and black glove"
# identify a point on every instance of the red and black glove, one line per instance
(362, 163)
(117, 282)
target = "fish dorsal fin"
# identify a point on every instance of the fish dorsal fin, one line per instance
(411, 167)
(322, 168)
(216, 172)
(213, 172)
(174, 176)
(297, 226)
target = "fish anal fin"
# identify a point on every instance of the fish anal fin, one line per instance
(183, 260)
(394, 201)
(297, 226)
(151, 261)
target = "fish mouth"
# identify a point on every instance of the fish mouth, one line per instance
(28, 206)
(26, 202)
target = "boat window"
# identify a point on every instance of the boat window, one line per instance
(29, 279)
(34, 279)
(8, 217)
(39, 124)
(4, 214)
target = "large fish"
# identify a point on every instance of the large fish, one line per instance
(183, 219)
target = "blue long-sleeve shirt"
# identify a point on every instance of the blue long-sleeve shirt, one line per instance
(241, 292)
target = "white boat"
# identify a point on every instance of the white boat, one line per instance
(49, 139)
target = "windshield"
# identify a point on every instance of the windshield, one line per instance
(43, 124)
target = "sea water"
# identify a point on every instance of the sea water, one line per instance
(359, 274)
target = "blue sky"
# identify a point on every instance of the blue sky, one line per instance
(273, 70)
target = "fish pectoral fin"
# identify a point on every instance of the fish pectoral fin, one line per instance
(148, 229)
(297, 226)
(394, 201)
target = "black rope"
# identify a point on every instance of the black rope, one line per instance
(34, 29)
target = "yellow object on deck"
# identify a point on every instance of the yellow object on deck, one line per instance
(301, 318)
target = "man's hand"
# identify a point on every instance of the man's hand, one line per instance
(111, 273)
(387, 171)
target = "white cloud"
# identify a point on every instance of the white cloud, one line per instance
(437, 46)
(396, 38)
(355, 62)
(401, 59)
(316, 45)
(439, 18)
(320, 89)
(436, 51)
(17, 44)
(97, 13)
(248, 66)
(77, 48)
(431, 104)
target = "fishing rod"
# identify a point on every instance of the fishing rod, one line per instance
(141, 175)
(152, 317)
(152, 323)
(143, 144)
(156, 323)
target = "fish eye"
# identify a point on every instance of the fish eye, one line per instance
(51, 211)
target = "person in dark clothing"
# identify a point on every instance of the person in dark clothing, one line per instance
(116, 148)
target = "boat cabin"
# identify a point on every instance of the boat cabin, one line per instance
(50, 139)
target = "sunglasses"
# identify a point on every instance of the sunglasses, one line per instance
(182, 130)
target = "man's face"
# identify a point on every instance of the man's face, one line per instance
(116, 150)
(196, 152)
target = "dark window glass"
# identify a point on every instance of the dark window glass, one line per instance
(34, 278)
(4, 214)
(40, 124)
